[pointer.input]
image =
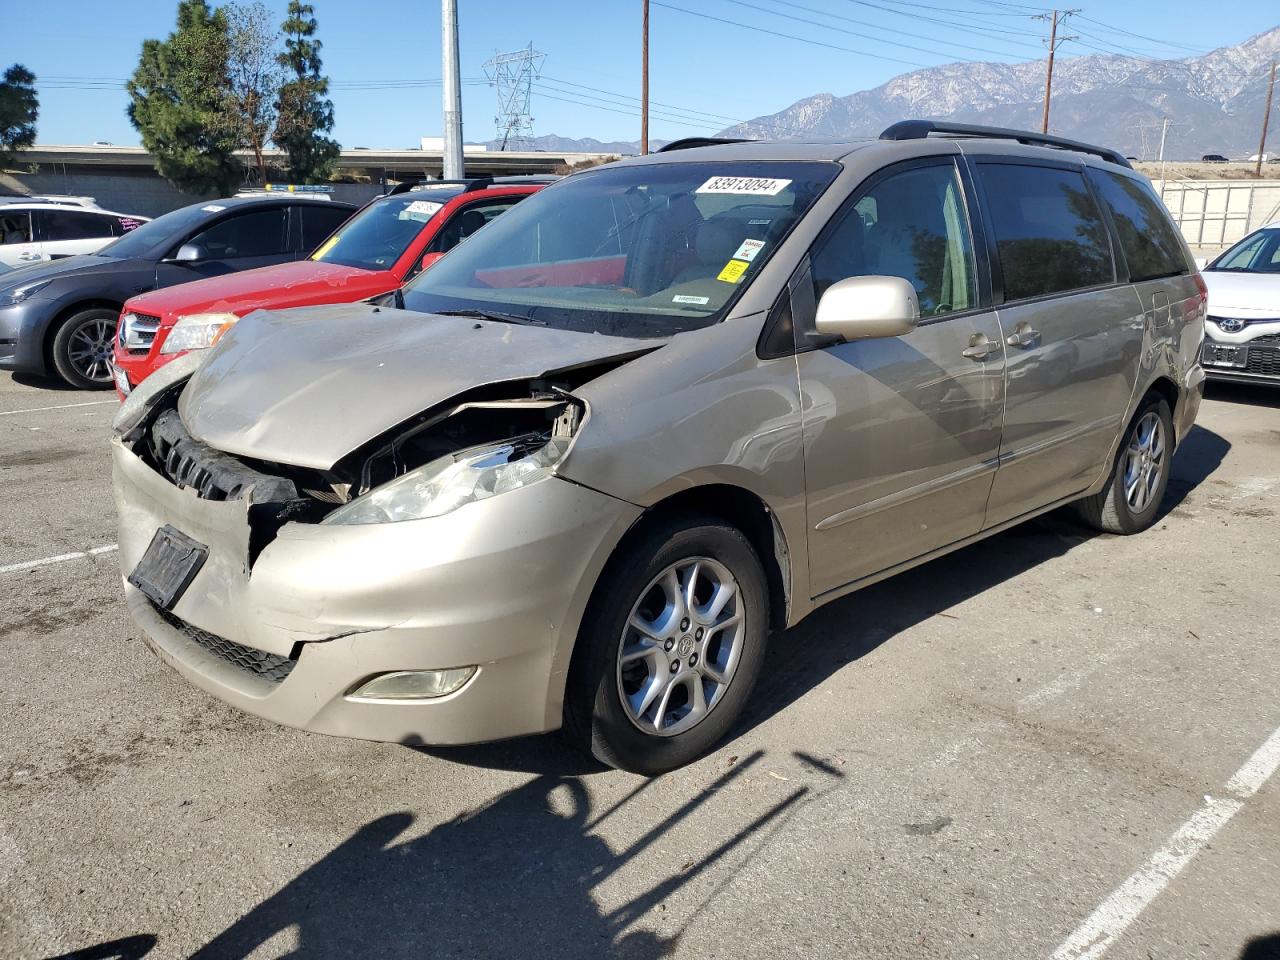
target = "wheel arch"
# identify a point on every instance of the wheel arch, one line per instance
(741, 509)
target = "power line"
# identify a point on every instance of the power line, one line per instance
(624, 96)
(788, 36)
(669, 115)
(1140, 36)
(871, 26)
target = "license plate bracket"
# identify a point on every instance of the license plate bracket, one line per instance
(170, 563)
(1229, 355)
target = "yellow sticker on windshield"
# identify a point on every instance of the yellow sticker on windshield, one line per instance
(325, 248)
(733, 271)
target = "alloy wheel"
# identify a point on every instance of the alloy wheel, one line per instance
(681, 645)
(89, 349)
(1144, 462)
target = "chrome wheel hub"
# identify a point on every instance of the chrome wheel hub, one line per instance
(681, 646)
(1144, 462)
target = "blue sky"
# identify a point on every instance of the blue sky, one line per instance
(706, 70)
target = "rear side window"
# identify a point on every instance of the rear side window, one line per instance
(15, 226)
(1148, 238)
(259, 233)
(318, 221)
(1050, 236)
(911, 225)
(54, 225)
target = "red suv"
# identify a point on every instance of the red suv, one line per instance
(389, 241)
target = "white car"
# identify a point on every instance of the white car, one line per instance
(33, 229)
(1242, 332)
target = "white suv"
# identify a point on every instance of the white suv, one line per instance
(33, 229)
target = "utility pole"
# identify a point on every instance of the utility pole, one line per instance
(1054, 43)
(453, 169)
(644, 81)
(1266, 117)
(1164, 132)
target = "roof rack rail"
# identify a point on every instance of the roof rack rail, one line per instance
(920, 129)
(469, 184)
(688, 143)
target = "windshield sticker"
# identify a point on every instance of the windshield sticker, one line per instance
(129, 223)
(759, 223)
(213, 208)
(326, 247)
(697, 301)
(748, 250)
(422, 210)
(752, 186)
(733, 271)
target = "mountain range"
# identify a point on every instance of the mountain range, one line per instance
(1215, 101)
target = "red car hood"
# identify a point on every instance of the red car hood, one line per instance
(297, 284)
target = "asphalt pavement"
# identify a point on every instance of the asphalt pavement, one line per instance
(1050, 744)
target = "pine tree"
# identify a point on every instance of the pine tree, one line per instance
(304, 112)
(19, 109)
(179, 96)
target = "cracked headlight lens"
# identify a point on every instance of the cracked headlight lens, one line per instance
(445, 484)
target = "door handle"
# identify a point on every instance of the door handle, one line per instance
(979, 347)
(1023, 337)
(28, 256)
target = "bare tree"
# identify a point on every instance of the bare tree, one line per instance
(254, 71)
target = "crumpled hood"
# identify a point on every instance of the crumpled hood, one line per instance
(308, 386)
(1247, 295)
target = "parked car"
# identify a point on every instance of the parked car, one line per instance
(389, 241)
(1213, 158)
(33, 229)
(61, 316)
(1243, 330)
(660, 410)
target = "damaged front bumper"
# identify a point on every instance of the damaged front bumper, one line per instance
(321, 609)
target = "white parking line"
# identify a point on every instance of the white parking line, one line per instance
(60, 558)
(1113, 916)
(61, 406)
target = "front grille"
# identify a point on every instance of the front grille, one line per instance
(137, 331)
(212, 474)
(1265, 360)
(269, 666)
(1266, 338)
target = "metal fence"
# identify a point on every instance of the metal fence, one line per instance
(1214, 214)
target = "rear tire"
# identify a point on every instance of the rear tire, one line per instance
(657, 681)
(82, 348)
(1131, 499)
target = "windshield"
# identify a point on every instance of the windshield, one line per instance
(1257, 253)
(155, 238)
(638, 251)
(378, 235)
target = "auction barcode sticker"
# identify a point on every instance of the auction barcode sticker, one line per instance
(752, 186)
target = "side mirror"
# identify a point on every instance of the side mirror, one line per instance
(863, 308)
(190, 253)
(428, 259)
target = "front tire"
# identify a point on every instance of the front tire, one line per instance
(1131, 499)
(82, 348)
(670, 648)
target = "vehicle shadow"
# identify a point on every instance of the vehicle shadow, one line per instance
(127, 948)
(848, 629)
(1255, 395)
(1262, 948)
(45, 383)
(518, 877)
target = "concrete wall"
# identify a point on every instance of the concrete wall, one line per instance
(142, 192)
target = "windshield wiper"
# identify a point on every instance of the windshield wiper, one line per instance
(491, 315)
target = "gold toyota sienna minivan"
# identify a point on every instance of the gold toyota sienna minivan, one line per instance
(578, 472)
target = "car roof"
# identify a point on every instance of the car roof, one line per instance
(281, 196)
(74, 208)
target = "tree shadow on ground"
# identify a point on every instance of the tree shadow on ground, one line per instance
(517, 877)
